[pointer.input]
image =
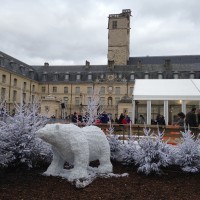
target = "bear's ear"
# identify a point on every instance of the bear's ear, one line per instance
(57, 127)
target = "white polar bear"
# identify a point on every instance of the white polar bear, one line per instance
(77, 146)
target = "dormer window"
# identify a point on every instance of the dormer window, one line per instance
(67, 76)
(44, 76)
(132, 77)
(22, 69)
(31, 73)
(146, 75)
(55, 76)
(175, 75)
(12, 64)
(78, 77)
(160, 75)
(191, 75)
(89, 76)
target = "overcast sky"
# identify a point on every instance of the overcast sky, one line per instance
(68, 32)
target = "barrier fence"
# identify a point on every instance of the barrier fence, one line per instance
(172, 134)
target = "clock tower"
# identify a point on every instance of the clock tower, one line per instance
(119, 37)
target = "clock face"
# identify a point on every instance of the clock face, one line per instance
(110, 77)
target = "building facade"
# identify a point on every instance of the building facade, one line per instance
(67, 89)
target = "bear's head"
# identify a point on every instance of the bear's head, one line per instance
(48, 133)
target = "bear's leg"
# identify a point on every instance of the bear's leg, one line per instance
(105, 164)
(81, 162)
(57, 164)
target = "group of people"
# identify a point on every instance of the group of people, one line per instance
(191, 119)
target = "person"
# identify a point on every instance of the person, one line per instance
(160, 120)
(121, 117)
(198, 117)
(127, 119)
(181, 119)
(141, 119)
(104, 118)
(190, 118)
(74, 117)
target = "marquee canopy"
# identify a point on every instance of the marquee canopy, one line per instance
(166, 89)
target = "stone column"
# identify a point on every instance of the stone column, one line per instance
(166, 111)
(148, 112)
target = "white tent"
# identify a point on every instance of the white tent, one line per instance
(165, 89)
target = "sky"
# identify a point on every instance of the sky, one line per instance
(69, 32)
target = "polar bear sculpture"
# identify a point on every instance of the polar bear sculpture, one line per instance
(77, 146)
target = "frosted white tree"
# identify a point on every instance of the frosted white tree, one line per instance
(187, 154)
(93, 108)
(18, 143)
(153, 153)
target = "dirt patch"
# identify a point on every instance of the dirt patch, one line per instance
(172, 185)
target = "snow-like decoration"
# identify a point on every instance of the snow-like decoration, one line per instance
(77, 146)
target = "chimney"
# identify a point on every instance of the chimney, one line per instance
(46, 64)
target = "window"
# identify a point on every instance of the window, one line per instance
(15, 82)
(3, 94)
(3, 78)
(55, 76)
(33, 88)
(117, 99)
(43, 89)
(89, 76)
(89, 90)
(117, 90)
(114, 24)
(102, 100)
(146, 75)
(65, 99)
(77, 101)
(89, 99)
(102, 90)
(54, 89)
(24, 85)
(78, 77)
(33, 98)
(132, 76)
(66, 90)
(131, 91)
(24, 97)
(160, 75)
(14, 95)
(77, 90)
(66, 76)
(44, 77)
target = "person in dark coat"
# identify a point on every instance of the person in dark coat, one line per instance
(181, 119)
(191, 119)
(104, 118)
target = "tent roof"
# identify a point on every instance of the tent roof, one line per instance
(167, 89)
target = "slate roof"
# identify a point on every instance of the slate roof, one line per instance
(179, 59)
(184, 65)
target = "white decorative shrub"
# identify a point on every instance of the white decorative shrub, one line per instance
(187, 154)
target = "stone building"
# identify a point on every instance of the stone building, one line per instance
(67, 89)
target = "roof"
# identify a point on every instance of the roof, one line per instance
(178, 59)
(167, 89)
